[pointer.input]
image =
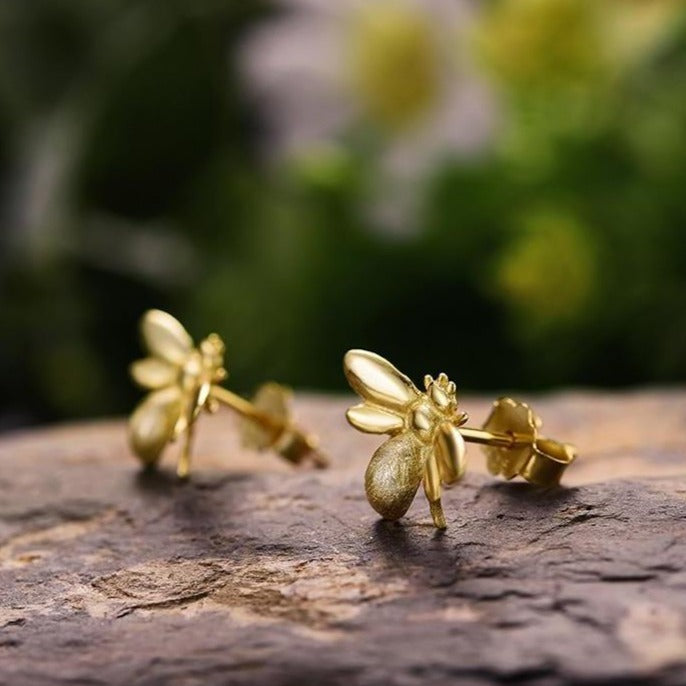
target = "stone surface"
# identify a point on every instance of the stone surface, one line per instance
(255, 573)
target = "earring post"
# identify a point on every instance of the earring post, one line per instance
(496, 439)
(183, 468)
(246, 408)
(290, 441)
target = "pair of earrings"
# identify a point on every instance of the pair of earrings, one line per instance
(427, 429)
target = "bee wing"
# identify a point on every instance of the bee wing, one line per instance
(394, 474)
(153, 422)
(374, 420)
(165, 337)
(153, 373)
(450, 453)
(376, 380)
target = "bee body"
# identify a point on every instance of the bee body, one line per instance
(179, 378)
(425, 445)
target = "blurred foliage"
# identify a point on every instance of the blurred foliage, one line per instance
(132, 176)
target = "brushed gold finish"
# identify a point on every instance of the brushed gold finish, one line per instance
(394, 474)
(153, 422)
(184, 380)
(427, 441)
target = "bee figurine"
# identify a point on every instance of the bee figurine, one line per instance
(427, 443)
(184, 380)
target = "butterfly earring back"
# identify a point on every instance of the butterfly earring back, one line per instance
(541, 461)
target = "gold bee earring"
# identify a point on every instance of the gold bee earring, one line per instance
(428, 437)
(184, 380)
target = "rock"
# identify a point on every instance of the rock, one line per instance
(258, 573)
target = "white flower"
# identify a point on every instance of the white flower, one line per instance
(397, 73)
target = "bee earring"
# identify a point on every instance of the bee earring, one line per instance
(184, 380)
(428, 437)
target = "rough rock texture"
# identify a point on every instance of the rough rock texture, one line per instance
(254, 573)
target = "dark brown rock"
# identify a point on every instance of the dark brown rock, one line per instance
(255, 573)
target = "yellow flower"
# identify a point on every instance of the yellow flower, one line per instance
(549, 44)
(635, 28)
(543, 43)
(393, 77)
(394, 64)
(549, 272)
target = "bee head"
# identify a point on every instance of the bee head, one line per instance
(212, 350)
(443, 394)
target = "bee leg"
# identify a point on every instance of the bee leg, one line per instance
(437, 514)
(183, 468)
(432, 489)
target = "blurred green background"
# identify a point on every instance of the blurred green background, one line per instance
(493, 189)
